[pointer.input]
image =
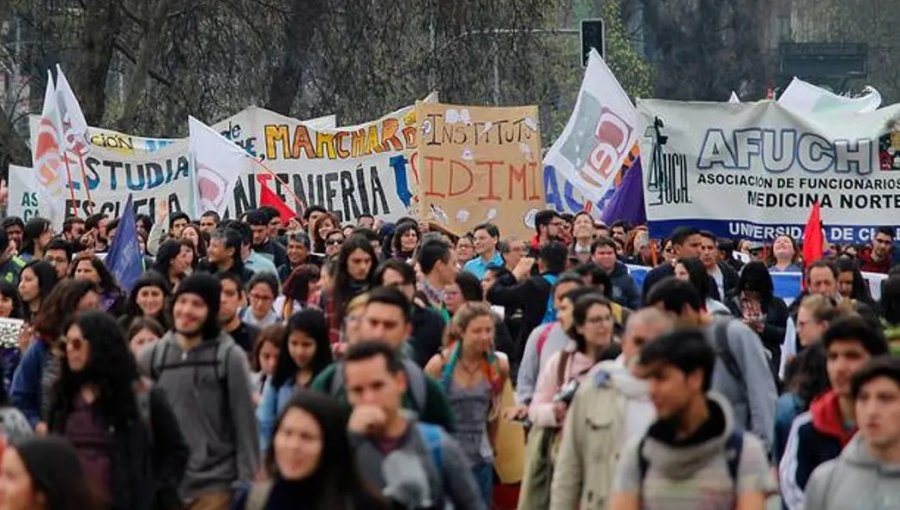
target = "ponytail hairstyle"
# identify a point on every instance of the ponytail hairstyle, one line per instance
(453, 340)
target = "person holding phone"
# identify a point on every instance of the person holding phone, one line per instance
(755, 303)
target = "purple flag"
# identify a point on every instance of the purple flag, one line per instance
(627, 203)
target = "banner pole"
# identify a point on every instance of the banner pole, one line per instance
(284, 184)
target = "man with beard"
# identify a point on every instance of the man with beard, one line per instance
(547, 225)
(205, 376)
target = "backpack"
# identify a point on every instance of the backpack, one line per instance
(542, 339)
(431, 436)
(223, 349)
(414, 376)
(550, 313)
(723, 349)
(734, 445)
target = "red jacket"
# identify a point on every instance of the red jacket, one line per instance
(867, 264)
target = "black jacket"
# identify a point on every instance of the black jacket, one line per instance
(274, 250)
(148, 459)
(427, 334)
(531, 297)
(772, 335)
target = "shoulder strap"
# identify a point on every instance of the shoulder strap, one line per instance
(734, 445)
(431, 435)
(733, 448)
(542, 339)
(723, 349)
(417, 386)
(643, 465)
(259, 495)
(561, 368)
(223, 351)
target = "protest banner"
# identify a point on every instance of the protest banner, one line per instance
(363, 169)
(115, 165)
(351, 171)
(480, 164)
(806, 98)
(582, 164)
(754, 170)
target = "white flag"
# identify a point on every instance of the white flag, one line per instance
(599, 135)
(734, 98)
(74, 125)
(47, 154)
(218, 162)
(803, 97)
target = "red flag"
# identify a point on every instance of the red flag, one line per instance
(813, 240)
(268, 197)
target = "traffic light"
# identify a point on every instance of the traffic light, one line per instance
(592, 37)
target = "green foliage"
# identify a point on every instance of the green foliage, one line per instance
(632, 71)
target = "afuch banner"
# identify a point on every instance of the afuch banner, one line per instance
(754, 170)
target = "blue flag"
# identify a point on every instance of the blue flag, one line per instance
(124, 259)
(627, 203)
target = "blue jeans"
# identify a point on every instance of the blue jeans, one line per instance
(484, 478)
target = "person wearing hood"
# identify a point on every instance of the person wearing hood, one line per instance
(693, 455)
(206, 378)
(624, 290)
(820, 434)
(867, 473)
(611, 407)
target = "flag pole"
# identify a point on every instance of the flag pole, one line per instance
(87, 189)
(71, 185)
(284, 184)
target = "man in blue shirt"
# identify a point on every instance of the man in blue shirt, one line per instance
(487, 236)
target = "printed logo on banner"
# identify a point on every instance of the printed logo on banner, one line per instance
(889, 150)
(668, 180)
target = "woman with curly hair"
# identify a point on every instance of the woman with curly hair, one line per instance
(90, 268)
(406, 240)
(38, 365)
(326, 223)
(118, 425)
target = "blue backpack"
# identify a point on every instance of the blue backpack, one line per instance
(550, 314)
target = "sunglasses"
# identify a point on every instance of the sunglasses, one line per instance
(76, 343)
(334, 242)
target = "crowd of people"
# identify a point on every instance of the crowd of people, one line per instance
(262, 364)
